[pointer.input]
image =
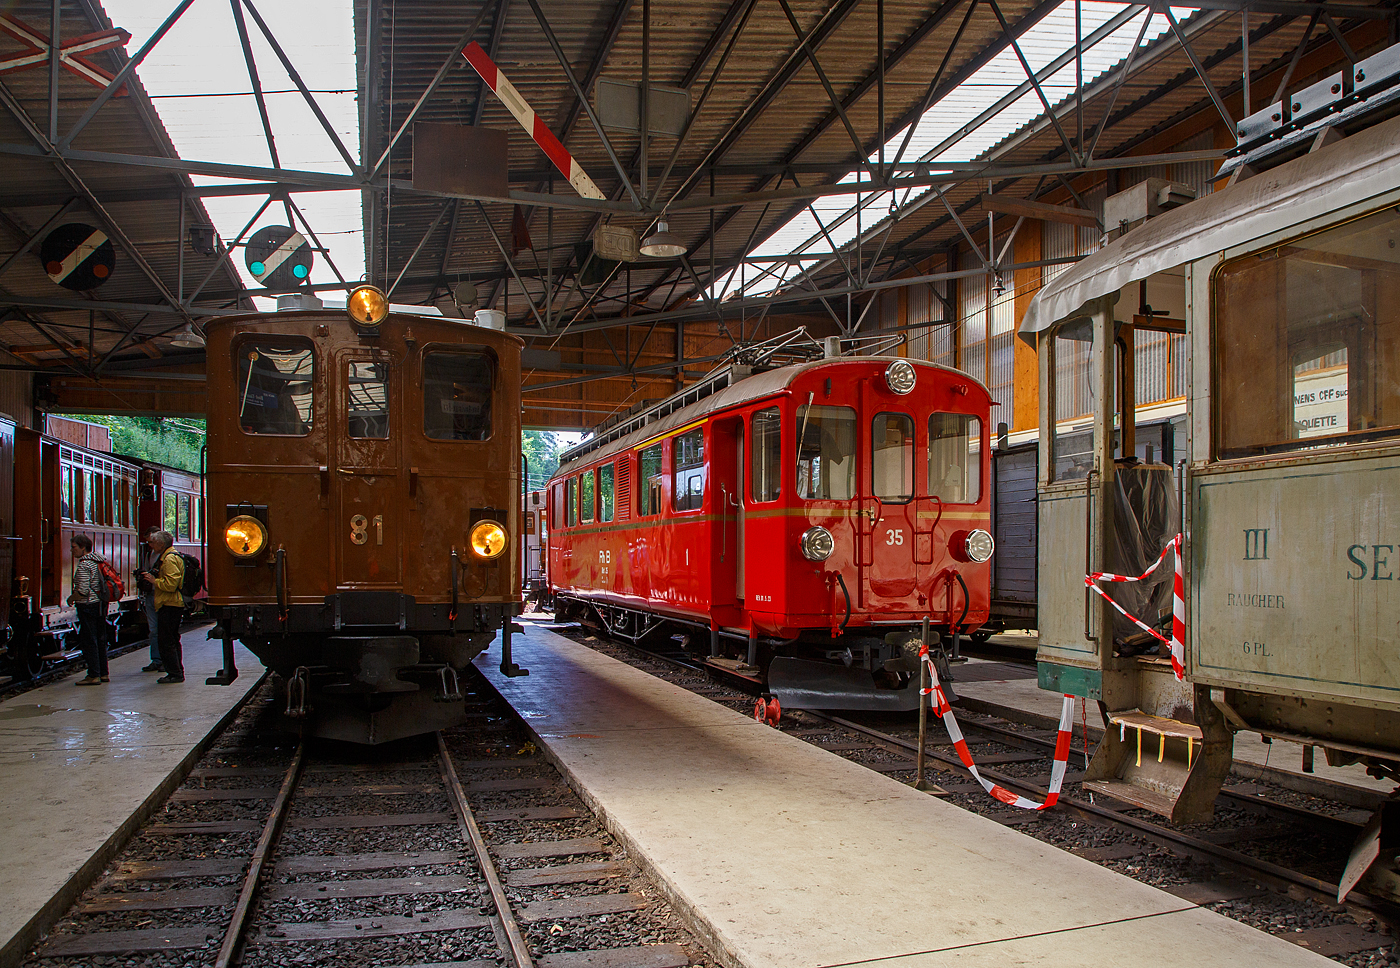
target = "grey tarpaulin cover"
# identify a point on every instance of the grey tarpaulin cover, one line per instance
(1144, 520)
(1342, 174)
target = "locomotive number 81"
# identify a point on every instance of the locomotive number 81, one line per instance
(361, 474)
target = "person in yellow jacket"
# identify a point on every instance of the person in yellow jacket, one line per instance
(170, 603)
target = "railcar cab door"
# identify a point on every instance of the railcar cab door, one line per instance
(366, 497)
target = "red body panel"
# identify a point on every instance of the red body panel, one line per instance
(735, 562)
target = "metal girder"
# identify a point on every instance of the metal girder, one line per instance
(563, 61)
(34, 237)
(1199, 68)
(78, 185)
(811, 56)
(788, 296)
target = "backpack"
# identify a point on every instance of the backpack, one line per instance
(194, 576)
(110, 584)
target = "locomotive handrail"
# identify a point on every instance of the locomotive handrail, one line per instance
(279, 580)
(844, 591)
(452, 613)
(1088, 547)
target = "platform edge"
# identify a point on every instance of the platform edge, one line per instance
(16, 949)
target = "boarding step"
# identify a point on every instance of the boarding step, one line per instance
(1171, 767)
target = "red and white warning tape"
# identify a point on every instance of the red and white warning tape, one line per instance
(530, 121)
(1062, 743)
(1177, 643)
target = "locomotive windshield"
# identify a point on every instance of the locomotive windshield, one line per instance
(826, 453)
(1307, 341)
(954, 468)
(275, 378)
(457, 395)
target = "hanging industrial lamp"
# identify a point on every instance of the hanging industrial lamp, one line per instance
(661, 244)
(187, 338)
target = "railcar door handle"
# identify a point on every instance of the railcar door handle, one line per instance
(1088, 551)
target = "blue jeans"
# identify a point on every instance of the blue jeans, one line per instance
(148, 599)
(92, 633)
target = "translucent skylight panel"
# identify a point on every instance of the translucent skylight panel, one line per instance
(951, 130)
(198, 81)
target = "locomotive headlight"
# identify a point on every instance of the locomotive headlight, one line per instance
(979, 545)
(900, 377)
(245, 536)
(367, 306)
(817, 544)
(488, 539)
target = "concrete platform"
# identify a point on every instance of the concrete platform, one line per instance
(1253, 758)
(782, 854)
(84, 766)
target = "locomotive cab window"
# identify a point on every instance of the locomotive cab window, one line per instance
(766, 461)
(826, 453)
(649, 493)
(954, 458)
(457, 390)
(688, 478)
(585, 497)
(605, 493)
(892, 457)
(275, 381)
(367, 400)
(1307, 341)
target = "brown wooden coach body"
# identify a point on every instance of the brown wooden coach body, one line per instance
(368, 454)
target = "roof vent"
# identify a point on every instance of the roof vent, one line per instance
(294, 302)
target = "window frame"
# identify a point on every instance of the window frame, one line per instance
(643, 484)
(607, 495)
(908, 449)
(777, 465)
(494, 367)
(260, 340)
(799, 429)
(969, 418)
(571, 502)
(676, 470)
(588, 511)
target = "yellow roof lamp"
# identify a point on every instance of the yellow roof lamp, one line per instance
(367, 307)
(245, 537)
(488, 540)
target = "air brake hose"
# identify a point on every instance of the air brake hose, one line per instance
(846, 593)
(967, 601)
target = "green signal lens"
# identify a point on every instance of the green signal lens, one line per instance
(258, 268)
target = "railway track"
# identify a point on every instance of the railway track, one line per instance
(463, 846)
(1267, 859)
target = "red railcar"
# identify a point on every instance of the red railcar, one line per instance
(173, 500)
(813, 515)
(61, 490)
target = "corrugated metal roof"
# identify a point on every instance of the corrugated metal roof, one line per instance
(144, 203)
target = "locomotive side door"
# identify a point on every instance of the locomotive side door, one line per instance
(367, 500)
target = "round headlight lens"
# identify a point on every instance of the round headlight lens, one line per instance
(367, 306)
(817, 544)
(488, 539)
(900, 377)
(979, 545)
(245, 536)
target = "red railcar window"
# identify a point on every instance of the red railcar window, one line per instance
(766, 467)
(571, 501)
(184, 522)
(87, 496)
(649, 494)
(276, 377)
(65, 492)
(586, 497)
(892, 457)
(169, 514)
(826, 453)
(688, 471)
(954, 457)
(367, 400)
(605, 493)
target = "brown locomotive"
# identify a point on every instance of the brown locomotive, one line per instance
(363, 480)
